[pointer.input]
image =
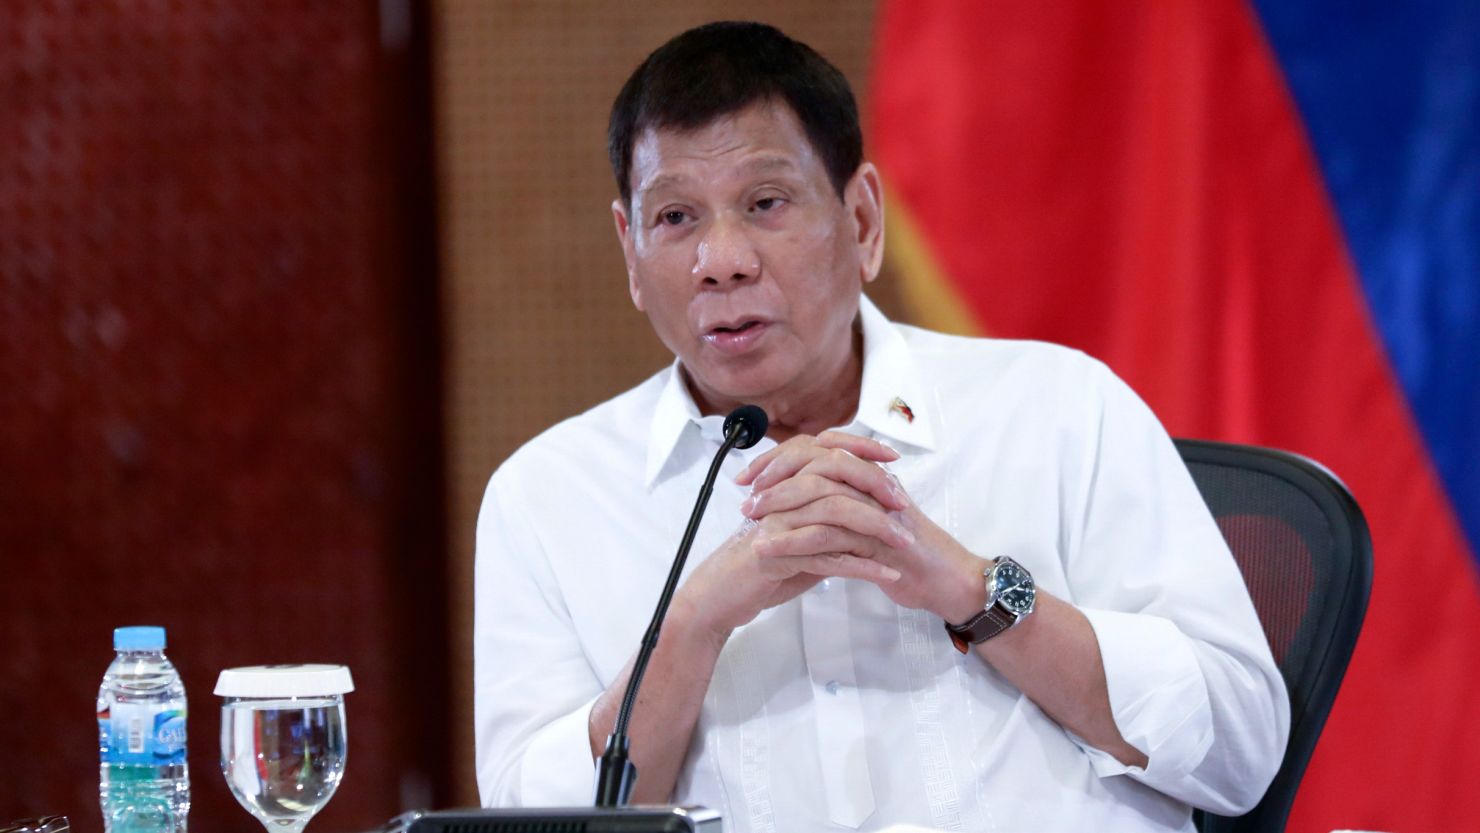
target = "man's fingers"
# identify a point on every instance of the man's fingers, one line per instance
(800, 449)
(843, 565)
(779, 463)
(816, 538)
(798, 491)
(837, 464)
(868, 478)
(760, 463)
(861, 447)
(810, 540)
(870, 523)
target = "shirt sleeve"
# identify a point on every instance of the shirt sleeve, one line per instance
(1191, 680)
(534, 688)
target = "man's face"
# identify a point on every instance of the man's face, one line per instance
(742, 255)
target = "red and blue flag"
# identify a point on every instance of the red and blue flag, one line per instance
(1265, 216)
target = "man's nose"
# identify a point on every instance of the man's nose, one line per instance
(726, 256)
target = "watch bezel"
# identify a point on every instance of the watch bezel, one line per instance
(1002, 572)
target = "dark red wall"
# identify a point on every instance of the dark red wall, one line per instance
(218, 384)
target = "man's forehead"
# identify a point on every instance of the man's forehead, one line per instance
(758, 165)
(762, 139)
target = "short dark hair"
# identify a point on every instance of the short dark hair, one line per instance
(721, 68)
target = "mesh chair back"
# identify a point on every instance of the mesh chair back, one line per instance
(1306, 555)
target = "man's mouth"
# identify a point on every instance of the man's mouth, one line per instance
(735, 338)
(739, 328)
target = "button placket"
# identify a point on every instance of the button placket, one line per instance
(841, 740)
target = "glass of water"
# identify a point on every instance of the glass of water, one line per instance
(283, 739)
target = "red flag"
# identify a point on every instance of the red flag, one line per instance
(1136, 180)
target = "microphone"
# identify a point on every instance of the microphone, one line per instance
(751, 423)
(616, 774)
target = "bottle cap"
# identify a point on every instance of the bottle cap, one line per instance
(138, 638)
(284, 681)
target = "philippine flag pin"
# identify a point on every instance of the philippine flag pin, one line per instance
(899, 406)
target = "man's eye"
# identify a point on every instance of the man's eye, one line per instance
(671, 218)
(767, 203)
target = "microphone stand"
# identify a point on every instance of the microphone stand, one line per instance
(616, 774)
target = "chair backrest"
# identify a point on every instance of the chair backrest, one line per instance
(1306, 555)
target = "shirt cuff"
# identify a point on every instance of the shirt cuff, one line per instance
(1157, 696)
(557, 769)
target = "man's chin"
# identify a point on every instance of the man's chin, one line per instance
(718, 391)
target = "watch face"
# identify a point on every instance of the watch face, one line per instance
(1014, 587)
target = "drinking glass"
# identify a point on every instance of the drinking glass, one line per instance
(40, 824)
(283, 739)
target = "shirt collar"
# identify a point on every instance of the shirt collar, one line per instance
(673, 415)
(891, 402)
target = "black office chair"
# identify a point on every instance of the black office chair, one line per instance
(1303, 546)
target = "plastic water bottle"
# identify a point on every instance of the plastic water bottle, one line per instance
(144, 784)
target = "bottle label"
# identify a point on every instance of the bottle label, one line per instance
(142, 733)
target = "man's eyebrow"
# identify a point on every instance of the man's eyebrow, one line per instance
(771, 164)
(661, 181)
(758, 165)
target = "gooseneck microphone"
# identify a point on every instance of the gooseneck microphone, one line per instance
(616, 773)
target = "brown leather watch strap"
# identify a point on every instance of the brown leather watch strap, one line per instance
(980, 628)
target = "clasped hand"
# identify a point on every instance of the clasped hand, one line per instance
(824, 507)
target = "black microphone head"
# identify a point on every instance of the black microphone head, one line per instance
(751, 422)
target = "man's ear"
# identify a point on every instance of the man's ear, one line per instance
(624, 236)
(864, 198)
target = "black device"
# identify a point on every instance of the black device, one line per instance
(569, 820)
(744, 427)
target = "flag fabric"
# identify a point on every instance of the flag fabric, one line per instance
(1265, 216)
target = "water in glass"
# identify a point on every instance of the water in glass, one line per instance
(283, 758)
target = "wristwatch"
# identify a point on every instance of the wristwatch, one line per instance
(1010, 597)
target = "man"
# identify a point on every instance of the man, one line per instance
(857, 641)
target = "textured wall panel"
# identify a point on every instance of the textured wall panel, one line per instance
(539, 325)
(201, 381)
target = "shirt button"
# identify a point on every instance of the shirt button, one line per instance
(824, 585)
(832, 687)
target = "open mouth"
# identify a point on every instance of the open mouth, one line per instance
(748, 325)
(737, 339)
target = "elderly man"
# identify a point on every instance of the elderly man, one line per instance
(963, 583)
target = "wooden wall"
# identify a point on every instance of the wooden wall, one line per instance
(538, 323)
(280, 285)
(219, 380)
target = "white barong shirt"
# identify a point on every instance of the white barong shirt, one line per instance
(840, 710)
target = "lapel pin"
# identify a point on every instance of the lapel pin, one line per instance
(899, 406)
